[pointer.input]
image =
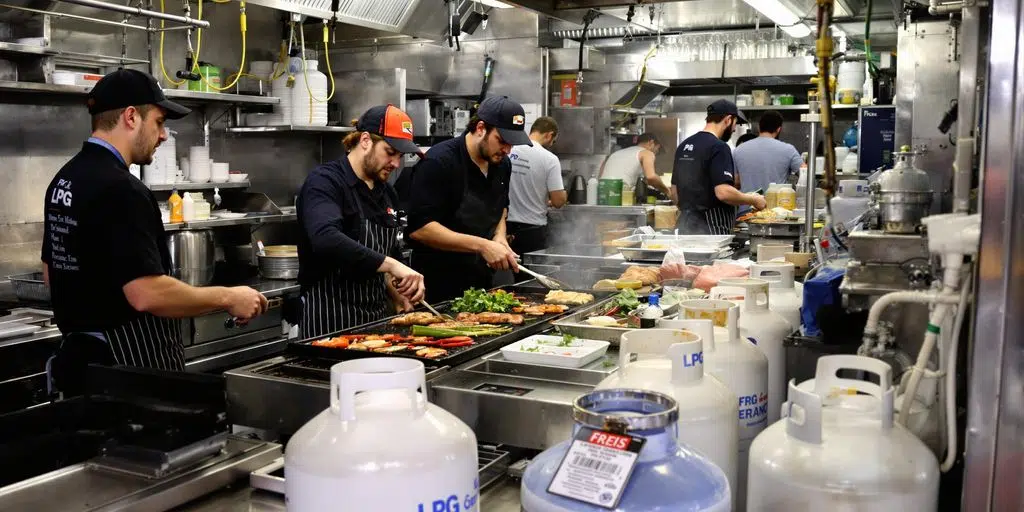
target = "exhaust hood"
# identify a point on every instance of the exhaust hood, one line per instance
(386, 15)
(632, 98)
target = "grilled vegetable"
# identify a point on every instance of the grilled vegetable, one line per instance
(471, 330)
(457, 344)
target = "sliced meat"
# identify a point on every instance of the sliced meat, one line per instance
(459, 323)
(491, 318)
(431, 352)
(392, 349)
(418, 318)
(546, 309)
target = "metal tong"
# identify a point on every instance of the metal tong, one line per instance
(434, 311)
(550, 282)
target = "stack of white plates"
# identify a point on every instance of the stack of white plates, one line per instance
(220, 172)
(199, 165)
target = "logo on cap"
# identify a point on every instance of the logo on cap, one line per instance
(518, 120)
(407, 127)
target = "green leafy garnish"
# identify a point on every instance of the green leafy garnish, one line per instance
(627, 300)
(531, 349)
(567, 340)
(475, 300)
(608, 364)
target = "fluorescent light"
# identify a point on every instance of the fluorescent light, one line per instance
(782, 16)
(494, 3)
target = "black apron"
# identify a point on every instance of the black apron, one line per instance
(448, 274)
(146, 342)
(341, 301)
(713, 221)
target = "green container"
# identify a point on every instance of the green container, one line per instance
(609, 192)
(212, 75)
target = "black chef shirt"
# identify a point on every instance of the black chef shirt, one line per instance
(329, 206)
(102, 230)
(433, 190)
(703, 162)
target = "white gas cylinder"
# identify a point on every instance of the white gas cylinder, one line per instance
(739, 364)
(309, 96)
(837, 451)
(352, 457)
(280, 89)
(784, 294)
(766, 329)
(707, 407)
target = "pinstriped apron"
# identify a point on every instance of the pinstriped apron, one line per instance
(149, 342)
(342, 300)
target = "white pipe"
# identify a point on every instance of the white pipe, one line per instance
(929, 297)
(935, 8)
(951, 278)
(950, 384)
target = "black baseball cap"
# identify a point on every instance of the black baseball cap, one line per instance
(128, 87)
(508, 117)
(391, 124)
(726, 107)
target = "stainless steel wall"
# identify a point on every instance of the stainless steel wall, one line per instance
(927, 80)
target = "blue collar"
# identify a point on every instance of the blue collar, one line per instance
(101, 142)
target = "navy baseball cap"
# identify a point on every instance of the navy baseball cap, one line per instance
(508, 117)
(128, 87)
(391, 124)
(726, 107)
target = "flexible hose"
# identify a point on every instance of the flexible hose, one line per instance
(305, 73)
(950, 383)
(162, 68)
(241, 66)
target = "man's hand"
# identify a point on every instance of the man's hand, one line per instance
(244, 303)
(757, 202)
(499, 255)
(407, 282)
(401, 303)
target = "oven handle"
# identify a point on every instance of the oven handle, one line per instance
(233, 322)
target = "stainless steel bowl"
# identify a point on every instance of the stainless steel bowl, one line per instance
(279, 262)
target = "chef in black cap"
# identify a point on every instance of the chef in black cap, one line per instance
(704, 180)
(104, 249)
(457, 201)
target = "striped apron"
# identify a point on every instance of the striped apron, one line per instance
(340, 300)
(713, 221)
(148, 342)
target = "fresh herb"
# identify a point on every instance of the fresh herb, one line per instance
(567, 340)
(531, 349)
(625, 301)
(475, 300)
(607, 363)
(469, 330)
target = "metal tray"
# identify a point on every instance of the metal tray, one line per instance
(693, 255)
(484, 344)
(687, 241)
(30, 287)
(573, 324)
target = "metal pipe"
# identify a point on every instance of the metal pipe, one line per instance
(935, 8)
(970, 33)
(811, 184)
(73, 17)
(137, 11)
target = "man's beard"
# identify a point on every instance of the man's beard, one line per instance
(373, 170)
(726, 135)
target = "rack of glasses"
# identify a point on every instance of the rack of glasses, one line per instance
(762, 44)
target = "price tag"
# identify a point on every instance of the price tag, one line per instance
(597, 467)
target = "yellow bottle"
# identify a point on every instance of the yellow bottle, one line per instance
(787, 197)
(174, 202)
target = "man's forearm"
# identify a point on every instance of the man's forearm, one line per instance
(657, 182)
(729, 195)
(501, 231)
(436, 236)
(165, 296)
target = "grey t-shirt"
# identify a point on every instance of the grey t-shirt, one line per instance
(765, 160)
(535, 172)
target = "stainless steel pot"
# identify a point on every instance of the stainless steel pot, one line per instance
(193, 256)
(279, 262)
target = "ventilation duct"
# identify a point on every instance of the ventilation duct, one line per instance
(386, 15)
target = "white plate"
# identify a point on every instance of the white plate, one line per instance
(547, 350)
(228, 215)
(15, 330)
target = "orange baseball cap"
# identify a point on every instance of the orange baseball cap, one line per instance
(391, 124)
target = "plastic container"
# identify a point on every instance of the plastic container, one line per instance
(851, 82)
(650, 314)
(771, 196)
(707, 407)
(786, 197)
(174, 204)
(786, 297)
(836, 451)
(309, 107)
(188, 208)
(851, 201)
(592, 191)
(766, 329)
(211, 74)
(851, 136)
(381, 446)
(738, 364)
(279, 88)
(609, 192)
(851, 164)
(667, 475)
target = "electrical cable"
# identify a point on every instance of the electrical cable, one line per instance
(163, 69)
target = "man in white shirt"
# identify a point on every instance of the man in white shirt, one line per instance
(630, 163)
(536, 183)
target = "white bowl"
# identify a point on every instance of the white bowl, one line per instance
(237, 177)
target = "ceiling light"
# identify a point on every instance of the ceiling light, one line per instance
(782, 16)
(494, 3)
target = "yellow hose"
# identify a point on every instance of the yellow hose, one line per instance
(162, 68)
(305, 74)
(243, 27)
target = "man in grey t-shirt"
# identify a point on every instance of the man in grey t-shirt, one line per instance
(766, 159)
(536, 183)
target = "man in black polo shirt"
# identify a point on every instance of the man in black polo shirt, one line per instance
(457, 201)
(104, 251)
(704, 181)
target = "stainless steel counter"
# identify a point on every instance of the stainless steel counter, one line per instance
(502, 497)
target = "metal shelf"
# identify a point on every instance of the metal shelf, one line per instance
(794, 107)
(289, 128)
(220, 223)
(24, 49)
(198, 186)
(175, 94)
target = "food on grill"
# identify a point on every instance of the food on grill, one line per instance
(392, 349)
(431, 352)
(418, 318)
(570, 298)
(490, 318)
(475, 300)
(646, 275)
(455, 324)
(545, 309)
